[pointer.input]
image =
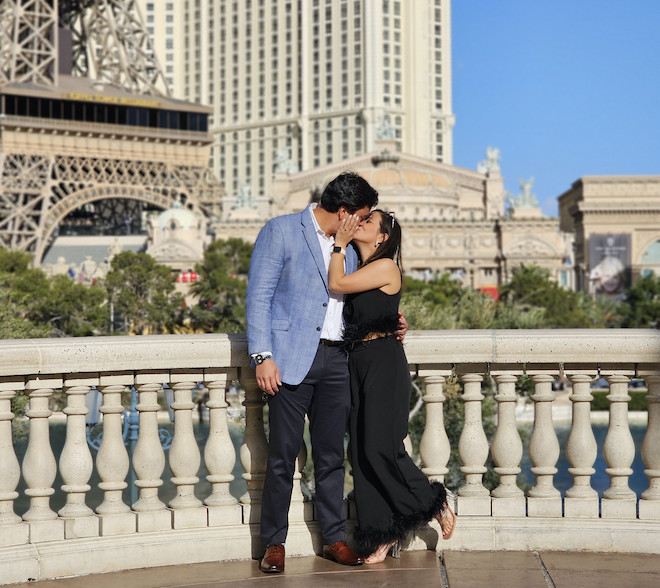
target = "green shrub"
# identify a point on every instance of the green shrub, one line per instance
(637, 400)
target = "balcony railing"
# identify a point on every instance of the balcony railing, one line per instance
(41, 543)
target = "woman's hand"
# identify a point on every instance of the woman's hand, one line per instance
(347, 228)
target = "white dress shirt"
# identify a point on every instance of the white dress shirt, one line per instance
(333, 325)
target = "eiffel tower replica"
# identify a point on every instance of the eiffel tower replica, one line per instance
(90, 138)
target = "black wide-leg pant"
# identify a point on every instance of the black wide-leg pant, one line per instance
(392, 495)
(324, 395)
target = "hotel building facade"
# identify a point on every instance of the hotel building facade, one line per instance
(297, 84)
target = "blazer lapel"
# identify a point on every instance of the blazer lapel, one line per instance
(309, 233)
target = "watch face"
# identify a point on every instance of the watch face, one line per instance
(259, 359)
(336, 249)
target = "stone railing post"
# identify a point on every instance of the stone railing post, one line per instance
(473, 496)
(619, 501)
(13, 532)
(219, 452)
(112, 460)
(649, 505)
(581, 500)
(76, 463)
(39, 465)
(434, 449)
(149, 456)
(185, 458)
(300, 509)
(544, 499)
(254, 451)
(507, 450)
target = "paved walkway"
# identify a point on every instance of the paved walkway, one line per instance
(415, 569)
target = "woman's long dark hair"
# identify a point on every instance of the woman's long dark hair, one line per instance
(390, 248)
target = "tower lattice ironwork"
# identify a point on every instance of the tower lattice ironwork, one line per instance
(87, 126)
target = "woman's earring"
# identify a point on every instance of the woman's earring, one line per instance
(377, 244)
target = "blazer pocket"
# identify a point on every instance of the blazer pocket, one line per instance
(280, 324)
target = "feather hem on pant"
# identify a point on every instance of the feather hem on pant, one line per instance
(400, 526)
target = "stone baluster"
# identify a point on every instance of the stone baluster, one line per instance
(76, 463)
(185, 458)
(296, 492)
(39, 465)
(300, 508)
(544, 499)
(254, 451)
(507, 450)
(619, 501)
(219, 453)
(149, 456)
(649, 505)
(112, 461)
(473, 497)
(581, 499)
(434, 449)
(13, 532)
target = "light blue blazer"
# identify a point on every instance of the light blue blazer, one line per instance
(287, 293)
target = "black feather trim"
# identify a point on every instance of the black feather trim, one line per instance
(355, 332)
(399, 527)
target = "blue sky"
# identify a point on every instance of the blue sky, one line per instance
(564, 88)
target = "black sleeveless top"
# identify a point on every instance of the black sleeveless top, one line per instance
(367, 312)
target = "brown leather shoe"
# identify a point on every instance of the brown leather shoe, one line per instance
(342, 554)
(273, 560)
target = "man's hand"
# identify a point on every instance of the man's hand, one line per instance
(268, 377)
(403, 327)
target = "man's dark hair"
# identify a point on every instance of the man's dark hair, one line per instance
(350, 191)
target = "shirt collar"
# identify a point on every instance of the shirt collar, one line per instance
(317, 228)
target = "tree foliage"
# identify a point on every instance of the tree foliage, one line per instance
(221, 287)
(142, 292)
(531, 287)
(71, 309)
(35, 305)
(642, 307)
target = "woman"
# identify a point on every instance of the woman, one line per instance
(392, 495)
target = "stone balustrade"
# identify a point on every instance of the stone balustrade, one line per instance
(41, 543)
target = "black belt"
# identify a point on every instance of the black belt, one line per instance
(330, 343)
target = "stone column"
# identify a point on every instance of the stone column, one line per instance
(434, 449)
(507, 450)
(185, 458)
(619, 501)
(112, 460)
(649, 505)
(12, 531)
(219, 453)
(300, 509)
(39, 465)
(581, 499)
(149, 456)
(76, 463)
(473, 497)
(254, 451)
(544, 499)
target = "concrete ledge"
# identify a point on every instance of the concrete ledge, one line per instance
(96, 555)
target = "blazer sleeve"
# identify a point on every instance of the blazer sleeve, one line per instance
(265, 271)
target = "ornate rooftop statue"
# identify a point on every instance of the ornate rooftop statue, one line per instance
(385, 130)
(283, 162)
(492, 161)
(526, 199)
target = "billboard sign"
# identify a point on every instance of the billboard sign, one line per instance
(609, 264)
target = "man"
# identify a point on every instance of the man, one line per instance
(294, 327)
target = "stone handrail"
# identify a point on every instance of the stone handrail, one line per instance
(41, 543)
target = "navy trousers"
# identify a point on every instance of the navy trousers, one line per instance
(324, 395)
